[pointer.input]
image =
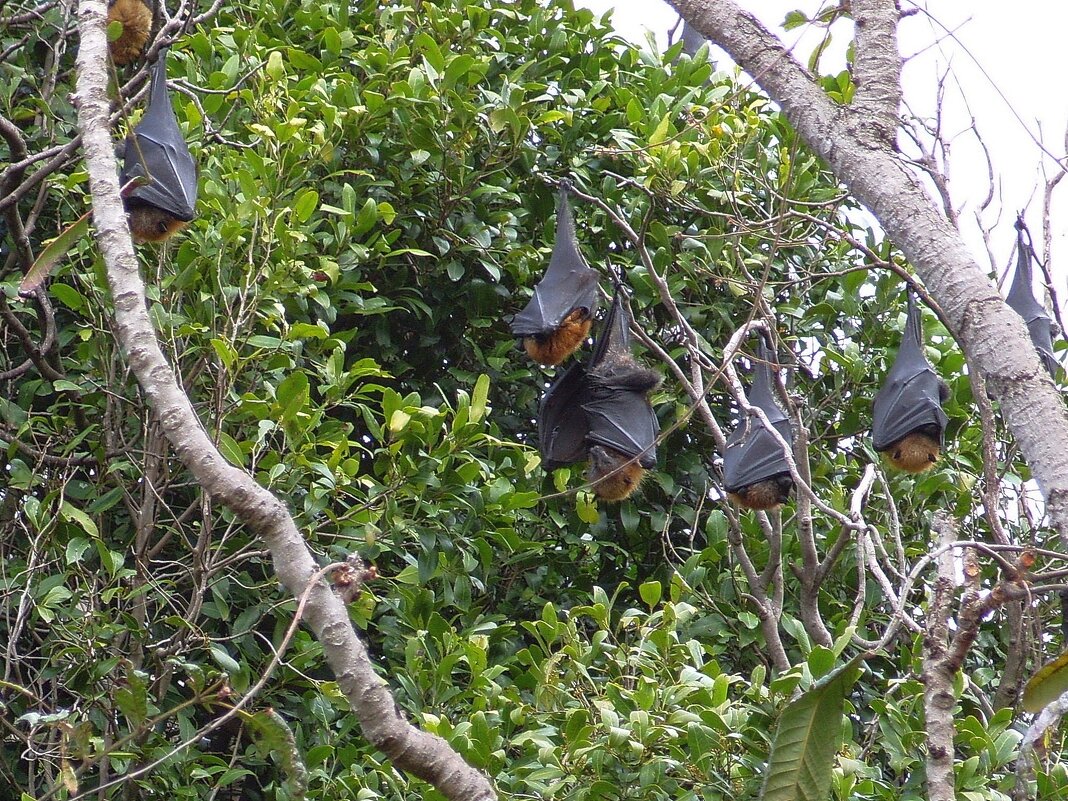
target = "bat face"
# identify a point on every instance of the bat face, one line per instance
(601, 411)
(1021, 300)
(764, 495)
(753, 455)
(569, 286)
(911, 396)
(157, 152)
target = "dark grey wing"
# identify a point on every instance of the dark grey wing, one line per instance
(562, 426)
(568, 284)
(910, 396)
(614, 337)
(157, 151)
(1021, 299)
(617, 403)
(622, 419)
(691, 39)
(753, 454)
(1041, 331)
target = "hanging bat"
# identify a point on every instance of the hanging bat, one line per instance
(908, 421)
(756, 473)
(622, 425)
(600, 411)
(157, 153)
(136, 20)
(559, 316)
(1022, 301)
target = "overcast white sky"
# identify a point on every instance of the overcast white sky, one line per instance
(1021, 47)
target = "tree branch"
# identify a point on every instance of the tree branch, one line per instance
(938, 699)
(877, 66)
(424, 755)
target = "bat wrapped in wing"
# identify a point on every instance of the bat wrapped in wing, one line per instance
(756, 473)
(156, 152)
(601, 411)
(622, 425)
(558, 317)
(908, 421)
(1022, 301)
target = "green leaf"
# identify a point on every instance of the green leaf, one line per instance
(307, 203)
(806, 740)
(293, 395)
(399, 420)
(132, 699)
(1049, 683)
(586, 507)
(651, 592)
(820, 661)
(306, 331)
(76, 549)
(230, 450)
(225, 351)
(479, 398)
(68, 296)
(74, 514)
(53, 252)
(224, 660)
(276, 68)
(366, 218)
(661, 131)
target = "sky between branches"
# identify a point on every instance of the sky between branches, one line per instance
(1020, 48)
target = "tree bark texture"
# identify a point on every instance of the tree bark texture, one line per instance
(938, 698)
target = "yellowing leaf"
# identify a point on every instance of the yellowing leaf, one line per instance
(51, 255)
(398, 421)
(661, 132)
(1048, 684)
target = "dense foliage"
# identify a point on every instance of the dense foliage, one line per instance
(376, 199)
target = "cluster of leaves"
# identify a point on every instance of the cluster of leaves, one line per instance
(376, 198)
